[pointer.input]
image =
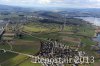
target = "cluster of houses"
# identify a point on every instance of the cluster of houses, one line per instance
(55, 49)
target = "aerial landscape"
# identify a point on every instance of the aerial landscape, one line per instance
(49, 33)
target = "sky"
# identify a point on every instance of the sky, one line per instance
(54, 3)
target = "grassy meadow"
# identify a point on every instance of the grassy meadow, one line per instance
(30, 44)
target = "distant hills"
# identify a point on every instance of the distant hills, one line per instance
(12, 8)
(54, 12)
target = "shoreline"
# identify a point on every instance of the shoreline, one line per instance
(96, 35)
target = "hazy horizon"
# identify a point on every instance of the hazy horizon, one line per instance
(53, 3)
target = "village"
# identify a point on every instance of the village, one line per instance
(26, 37)
(50, 48)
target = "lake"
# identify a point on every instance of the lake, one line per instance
(97, 38)
(94, 21)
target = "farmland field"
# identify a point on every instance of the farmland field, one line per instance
(30, 44)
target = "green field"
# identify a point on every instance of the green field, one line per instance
(43, 27)
(31, 44)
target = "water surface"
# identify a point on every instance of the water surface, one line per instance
(94, 21)
(97, 38)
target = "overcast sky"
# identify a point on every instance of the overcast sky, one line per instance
(54, 3)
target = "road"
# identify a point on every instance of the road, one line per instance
(31, 56)
(44, 64)
(28, 55)
(2, 29)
